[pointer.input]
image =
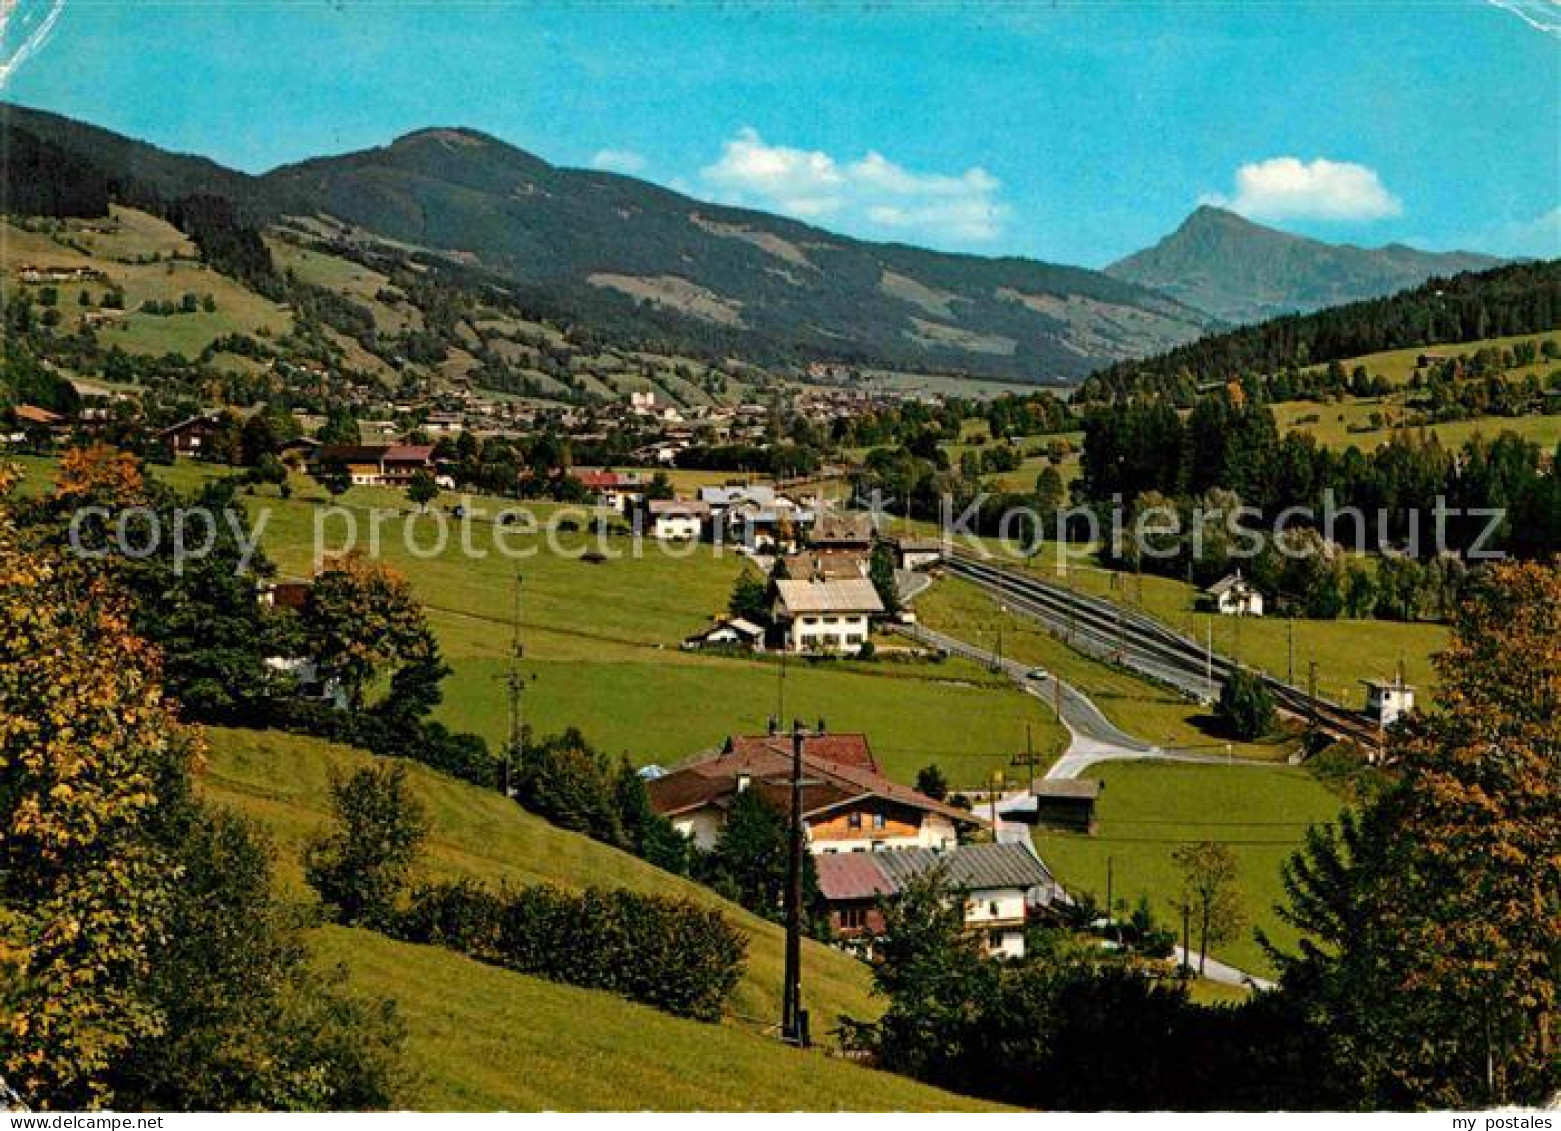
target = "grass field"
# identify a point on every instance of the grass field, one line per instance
(1332, 428)
(601, 651)
(483, 1039)
(1147, 810)
(135, 235)
(601, 645)
(1399, 365)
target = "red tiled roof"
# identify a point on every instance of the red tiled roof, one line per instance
(851, 875)
(766, 761)
(846, 749)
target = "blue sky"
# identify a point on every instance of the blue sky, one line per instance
(1071, 132)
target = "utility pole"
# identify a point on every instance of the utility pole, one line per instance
(1290, 626)
(1208, 658)
(1121, 643)
(515, 685)
(794, 1018)
(1311, 690)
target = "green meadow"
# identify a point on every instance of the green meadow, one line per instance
(1147, 809)
(602, 641)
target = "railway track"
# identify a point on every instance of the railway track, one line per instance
(1105, 630)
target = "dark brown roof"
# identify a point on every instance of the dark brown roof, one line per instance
(351, 453)
(847, 527)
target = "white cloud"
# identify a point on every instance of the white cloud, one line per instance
(1287, 188)
(872, 192)
(618, 161)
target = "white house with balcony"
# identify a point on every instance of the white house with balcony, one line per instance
(677, 520)
(826, 616)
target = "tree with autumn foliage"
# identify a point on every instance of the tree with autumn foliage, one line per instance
(1429, 962)
(85, 743)
(144, 962)
(364, 622)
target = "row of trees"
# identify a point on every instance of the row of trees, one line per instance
(662, 951)
(1229, 443)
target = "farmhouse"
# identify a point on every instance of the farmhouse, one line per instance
(36, 275)
(376, 465)
(677, 520)
(1234, 596)
(613, 489)
(191, 437)
(729, 632)
(998, 883)
(841, 532)
(809, 566)
(826, 616)
(918, 553)
(847, 805)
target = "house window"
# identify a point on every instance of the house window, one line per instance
(853, 918)
(878, 820)
(854, 821)
(991, 909)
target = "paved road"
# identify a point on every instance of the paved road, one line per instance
(1092, 737)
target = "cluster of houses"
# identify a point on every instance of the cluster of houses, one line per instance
(869, 837)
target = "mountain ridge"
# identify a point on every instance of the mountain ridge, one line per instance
(641, 259)
(1240, 271)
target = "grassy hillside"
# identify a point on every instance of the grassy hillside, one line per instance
(282, 781)
(147, 260)
(480, 1038)
(483, 1039)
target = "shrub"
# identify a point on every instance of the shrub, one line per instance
(360, 867)
(657, 950)
(1246, 707)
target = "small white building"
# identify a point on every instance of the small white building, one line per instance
(677, 520)
(1387, 700)
(731, 632)
(1234, 596)
(826, 616)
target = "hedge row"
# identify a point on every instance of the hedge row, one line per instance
(665, 952)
